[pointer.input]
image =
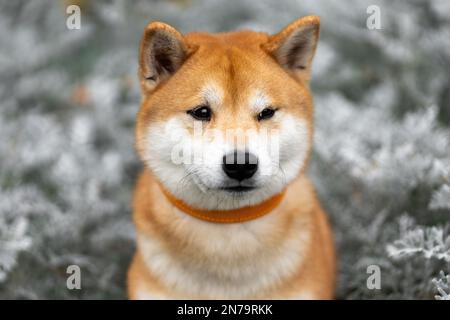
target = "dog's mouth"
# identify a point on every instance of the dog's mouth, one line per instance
(238, 189)
(232, 187)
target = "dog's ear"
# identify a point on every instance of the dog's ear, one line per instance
(163, 51)
(294, 46)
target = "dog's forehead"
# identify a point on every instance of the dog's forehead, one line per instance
(255, 98)
(229, 71)
(233, 68)
(244, 39)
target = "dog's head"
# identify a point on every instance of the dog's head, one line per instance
(226, 119)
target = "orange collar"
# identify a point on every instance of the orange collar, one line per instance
(227, 216)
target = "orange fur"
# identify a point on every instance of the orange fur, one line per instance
(237, 62)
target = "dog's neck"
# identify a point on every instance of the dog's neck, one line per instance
(227, 216)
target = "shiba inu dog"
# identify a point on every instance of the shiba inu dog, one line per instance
(220, 217)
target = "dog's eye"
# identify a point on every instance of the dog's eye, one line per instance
(267, 113)
(202, 113)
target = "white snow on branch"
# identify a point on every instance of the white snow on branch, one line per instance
(441, 198)
(442, 286)
(430, 242)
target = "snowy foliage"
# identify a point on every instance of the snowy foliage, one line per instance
(68, 100)
(441, 198)
(443, 286)
(430, 242)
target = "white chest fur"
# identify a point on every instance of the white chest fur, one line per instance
(227, 261)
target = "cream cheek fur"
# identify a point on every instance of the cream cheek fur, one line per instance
(196, 182)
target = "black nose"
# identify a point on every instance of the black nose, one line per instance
(240, 165)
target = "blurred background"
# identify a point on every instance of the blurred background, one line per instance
(68, 100)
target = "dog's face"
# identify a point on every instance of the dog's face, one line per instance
(226, 120)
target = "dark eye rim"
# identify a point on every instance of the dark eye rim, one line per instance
(191, 112)
(271, 109)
